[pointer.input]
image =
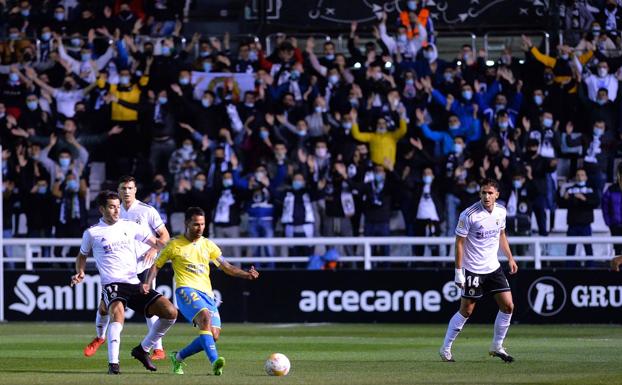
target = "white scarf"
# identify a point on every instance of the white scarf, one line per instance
(288, 208)
(223, 206)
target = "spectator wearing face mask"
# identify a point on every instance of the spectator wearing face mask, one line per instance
(194, 193)
(87, 66)
(41, 211)
(159, 197)
(428, 209)
(519, 208)
(382, 144)
(444, 140)
(72, 218)
(185, 162)
(537, 169)
(407, 44)
(599, 149)
(596, 38)
(561, 64)
(416, 17)
(600, 109)
(66, 162)
(298, 216)
(601, 80)
(611, 18)
(580, 199)
(228, 200)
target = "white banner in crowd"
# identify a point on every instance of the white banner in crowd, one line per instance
(214, 81)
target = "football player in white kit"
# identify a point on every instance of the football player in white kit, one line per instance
(148, 217)
(112, 242)
(479, 234)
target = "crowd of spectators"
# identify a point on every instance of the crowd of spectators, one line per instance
(325, 143)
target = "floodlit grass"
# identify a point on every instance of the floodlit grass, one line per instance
(51, 353)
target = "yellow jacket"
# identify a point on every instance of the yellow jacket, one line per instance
(550, 61)
(381, 146)
(119, 112)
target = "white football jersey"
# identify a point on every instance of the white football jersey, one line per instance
(114, 249)
(482, 231)
(147, 217)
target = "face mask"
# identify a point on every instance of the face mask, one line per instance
(72, 185)
(64, 162)
(517, 184)
(381, 130)
(187, 148)
(454, 126)
(412, 5)
(294, 75)
(503, 125)
(252, 56)
(354, 102)
(318, 109)
(427, 179)
(448, 76)
(148, 51)
(76, 42)
(466, 57)
(226, 183)
(32, 105)
(199, 184)
(548, 78)
(458, 148)
(602, 72)
(67, 86)
(59, 16)
(410, 82)
(157, 185)
(596, 32)
(547, 122)
(598, 131)
(207, 66)
(45, 36)
(499, 107)
(333, 79)
(321, 152)
(162, 100)
(279, 155)
(13, 77)
(184, 81)
(259, 175)
(298, 185)
(467, 95)
(330, 57)
(471, 189)
(86, 57)
(302, 132)
(264, 135)
(601, 102)
(538, 100)
(564, 56)
(25, 12)
(403, 38)
(206, 102)
(124, 80)
(347, 125)
(166, 51)
(379, 178)
(204, 53)
(581, 183)
(249, 105)
(42, 189)
(378, 75)
(14, 36)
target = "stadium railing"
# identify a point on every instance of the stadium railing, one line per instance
(539, 249)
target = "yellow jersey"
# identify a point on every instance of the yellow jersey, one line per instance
(191, 261)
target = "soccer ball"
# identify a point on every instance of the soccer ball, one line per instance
(277, 365)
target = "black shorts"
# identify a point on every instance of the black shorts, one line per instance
(130, 295)
(478, 285)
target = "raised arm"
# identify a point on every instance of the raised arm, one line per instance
(235, 271)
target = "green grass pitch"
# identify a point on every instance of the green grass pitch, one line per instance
(51, 353)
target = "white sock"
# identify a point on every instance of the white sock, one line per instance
(453, 329)
(114, 341)
(502, 324)
(150, 322)
(156, 332)
(101, 324)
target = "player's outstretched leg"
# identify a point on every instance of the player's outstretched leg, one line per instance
(178, 363)
(101, 326)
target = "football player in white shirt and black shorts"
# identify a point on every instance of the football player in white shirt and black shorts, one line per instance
(479, 235)
(112, 242)
(149, 218)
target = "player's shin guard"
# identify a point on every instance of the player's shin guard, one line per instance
(453, 329)
(150, 322)
(193, 348)
(502, 324)
(156, 332)
(209, 345)
(114, 342)
(101, 324)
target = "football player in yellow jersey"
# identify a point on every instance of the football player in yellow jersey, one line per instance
(190, 254)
